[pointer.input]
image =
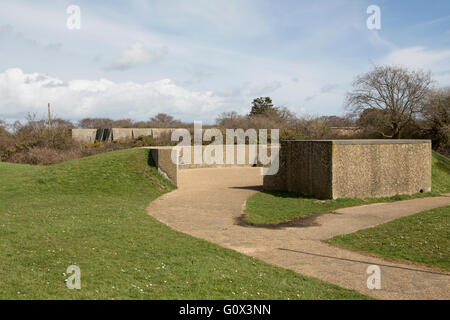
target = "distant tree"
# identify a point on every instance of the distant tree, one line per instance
(3, 130)
(263, 107)
(95, 123)
(61, 123)
(375, 122)
(312, 128)
(123, 123)
(230, 120)
(335, 121)
(436, 114)
(398, 93)
(164, 120)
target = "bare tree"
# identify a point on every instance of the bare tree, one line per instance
(95, 123)
(397, 92)
(436, 122)
(164, 120)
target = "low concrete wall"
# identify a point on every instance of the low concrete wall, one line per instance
(163, 161)
(84, 135)
(162, 156)
(122, 134)
(141, 132)
(157, 132)
(89, 135)
(248, 160)
(353, 168)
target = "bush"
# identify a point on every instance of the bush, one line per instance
(43, 156)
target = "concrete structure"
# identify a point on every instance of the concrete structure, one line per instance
(246, 159)
(115, 134)
(122, 134)
(84, 135)
(141, 132)
(331, 169)
(162, 157)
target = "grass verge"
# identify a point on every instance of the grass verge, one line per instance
(422, 238)
(90, 212)
(274, 207)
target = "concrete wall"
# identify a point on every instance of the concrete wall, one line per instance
(162, 158)
(122, 134)
(244, 149)
(141, 132)
(88, 135)
(84, 135)
(305, 167)
(353, 168)
(383, 168)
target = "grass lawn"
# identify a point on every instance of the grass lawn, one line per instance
(273, 207)
(421, 238)
(91, 213)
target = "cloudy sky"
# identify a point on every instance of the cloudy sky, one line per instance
(195, 59)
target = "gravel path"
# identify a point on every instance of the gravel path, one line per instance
(209, 202)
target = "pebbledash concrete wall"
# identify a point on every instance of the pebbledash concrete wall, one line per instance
(91, 135)
(332, 169)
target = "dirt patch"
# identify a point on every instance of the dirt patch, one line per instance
(300, 222)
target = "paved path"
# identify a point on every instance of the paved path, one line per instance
(209, 201)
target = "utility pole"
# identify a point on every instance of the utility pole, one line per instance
(49, 117)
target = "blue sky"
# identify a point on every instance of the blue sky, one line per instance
(195, 59)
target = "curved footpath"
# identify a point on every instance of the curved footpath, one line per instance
(208, 203)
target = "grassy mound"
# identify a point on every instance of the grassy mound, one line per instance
(273, 207)
(90, 212)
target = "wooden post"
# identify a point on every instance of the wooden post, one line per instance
(49, 117)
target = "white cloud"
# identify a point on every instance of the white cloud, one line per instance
(137, 54)
(437, 61)
(22, 93)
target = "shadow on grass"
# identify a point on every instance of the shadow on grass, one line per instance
(290, 195)
(300, 222)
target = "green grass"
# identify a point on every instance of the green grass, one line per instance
(91, 213)
(440, 173)
(421, 238)
(274, 207)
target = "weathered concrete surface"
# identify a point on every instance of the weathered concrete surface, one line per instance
(157, 132)
(238, 155)
(141, 132)
(89, 135)
(209, 202)
(353, 168)
(122, 134)
(84, 135)
(162, 156)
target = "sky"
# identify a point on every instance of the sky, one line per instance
(196, 59)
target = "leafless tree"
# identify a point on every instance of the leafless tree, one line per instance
(164, 120)
(399, 93)
(436, 114)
